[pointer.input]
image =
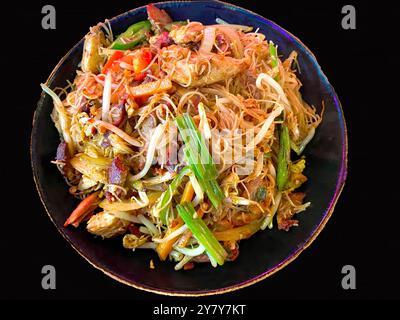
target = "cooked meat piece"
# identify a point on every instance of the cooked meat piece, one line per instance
(199, 70)
(106, 225)
(117, 172)
(62, 152)
(160, 41)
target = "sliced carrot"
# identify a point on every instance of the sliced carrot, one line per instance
(86, 206)
(150, 88)
(164, 248)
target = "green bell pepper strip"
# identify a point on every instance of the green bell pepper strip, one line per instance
(133, 36)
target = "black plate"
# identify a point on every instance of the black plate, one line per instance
(260, 256)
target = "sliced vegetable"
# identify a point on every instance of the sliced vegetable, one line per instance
(86, 207)
(208, 40)
(299, 149)
(140, 61)
(197, 150)
(162, 207)
(199, 158)
(150, 88)
(164, 248)
(188, 193)
(239, 233)
(240, 27)
(115, 57)
(283, 158)
(94, 168)
(133, 36)
(201, 232)
(130, 204)
(269, 218)
(273, 52)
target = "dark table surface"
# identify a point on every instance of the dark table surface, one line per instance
(362, 230)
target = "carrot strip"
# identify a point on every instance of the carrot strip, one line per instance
(164, 248)
(150, 88)
(86, 206)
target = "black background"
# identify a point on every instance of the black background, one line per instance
(363, 229)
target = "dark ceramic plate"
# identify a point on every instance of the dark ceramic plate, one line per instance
(326, 155)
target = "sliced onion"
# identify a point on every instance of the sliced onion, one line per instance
(235, 26)
(156, 135)
(106, 97)
(208, 40)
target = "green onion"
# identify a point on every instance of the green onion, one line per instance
(201, 232)
(163, 205)
(196, 146)
(273, 51)
(204, 170)
(283, 158)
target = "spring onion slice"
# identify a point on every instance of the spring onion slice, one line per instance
(201, 232)
(283, 158)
